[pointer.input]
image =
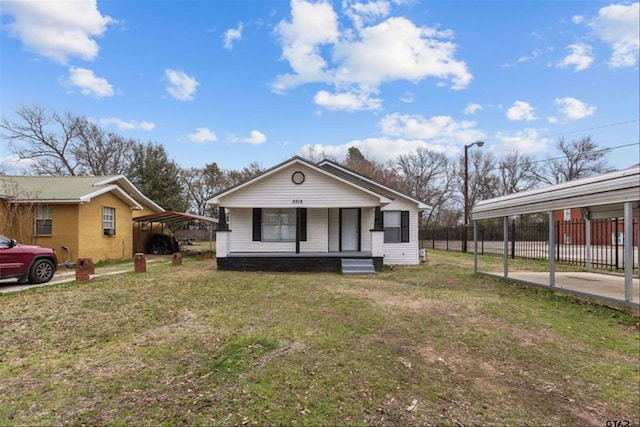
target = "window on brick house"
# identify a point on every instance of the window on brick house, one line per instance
(44, 220)
(109, 221)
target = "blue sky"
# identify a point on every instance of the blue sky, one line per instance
(239, 81)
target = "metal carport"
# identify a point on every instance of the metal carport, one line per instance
(611, 195)
(171, 217)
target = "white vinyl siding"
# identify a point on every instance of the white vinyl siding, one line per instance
(403, 253)
(317, 191)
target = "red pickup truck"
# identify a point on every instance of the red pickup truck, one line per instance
(33, 264)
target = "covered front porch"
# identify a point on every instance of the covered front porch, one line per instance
(323, 239)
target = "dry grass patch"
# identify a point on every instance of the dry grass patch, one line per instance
(428, 345)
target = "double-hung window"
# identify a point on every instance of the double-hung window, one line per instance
(279, 225)
(396, 226)
(109, 221)
(44, 221)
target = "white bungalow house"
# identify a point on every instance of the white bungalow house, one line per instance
(301, 216)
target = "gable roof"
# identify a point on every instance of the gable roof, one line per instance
(215, 199)
(72, 190)
(603, 195)
(335, 171)
(363, 181)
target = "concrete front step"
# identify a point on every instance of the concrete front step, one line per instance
(357, 266)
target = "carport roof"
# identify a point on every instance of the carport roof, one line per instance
(170, 217)
(604, 197)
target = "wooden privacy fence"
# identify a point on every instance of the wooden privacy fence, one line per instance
(531, 240)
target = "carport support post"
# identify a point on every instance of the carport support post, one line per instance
(587, 237)
(505, 241)
(628, 252)
(552, 252)
(475, 246)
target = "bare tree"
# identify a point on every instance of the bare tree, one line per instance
(17, 214)
(314, 155)
(234, 177)
(518, 172)
(202, 184)
(45, 139)
(580, 158)
(66, 144)
(483, 182)
(357, 162)
(428, 176)
(101, 153)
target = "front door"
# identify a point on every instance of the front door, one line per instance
(350, 229)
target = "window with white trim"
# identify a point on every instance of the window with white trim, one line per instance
(396, 226)
(567, 214)
(44, 220)
(109, 221)
(279, 225)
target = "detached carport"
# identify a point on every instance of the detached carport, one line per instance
(612, 195)
(168, 218)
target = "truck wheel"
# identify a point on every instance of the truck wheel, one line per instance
(41, 271)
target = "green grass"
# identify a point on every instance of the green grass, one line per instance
(428, 345)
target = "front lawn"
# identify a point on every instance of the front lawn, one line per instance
(423, 345)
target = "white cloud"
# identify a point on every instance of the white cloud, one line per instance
(13, 165)
(573, 109)
(362, 13)
(526, 141)
(526, 58)
(361, 58)
(255, 138)
(127, 125)
(379, 149)
(311, 25)
(618, 25)
(472, 108)
(521, 111)
(407, 98)
(346, 101)
(577, 19)
(180, 85)
(232, 35)
(437, 129)
(581, 57)
(57, 30)
(88, 83)
(202, 135)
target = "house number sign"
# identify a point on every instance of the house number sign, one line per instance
(296, 201)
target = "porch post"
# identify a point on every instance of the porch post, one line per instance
(222, 243)
(298, 224)
(628, 252)
(222, 219)
(222, 234)
(377, 235)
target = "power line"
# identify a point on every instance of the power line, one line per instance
(591, 128)
(596, 151)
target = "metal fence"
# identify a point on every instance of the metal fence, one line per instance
(531, 240)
